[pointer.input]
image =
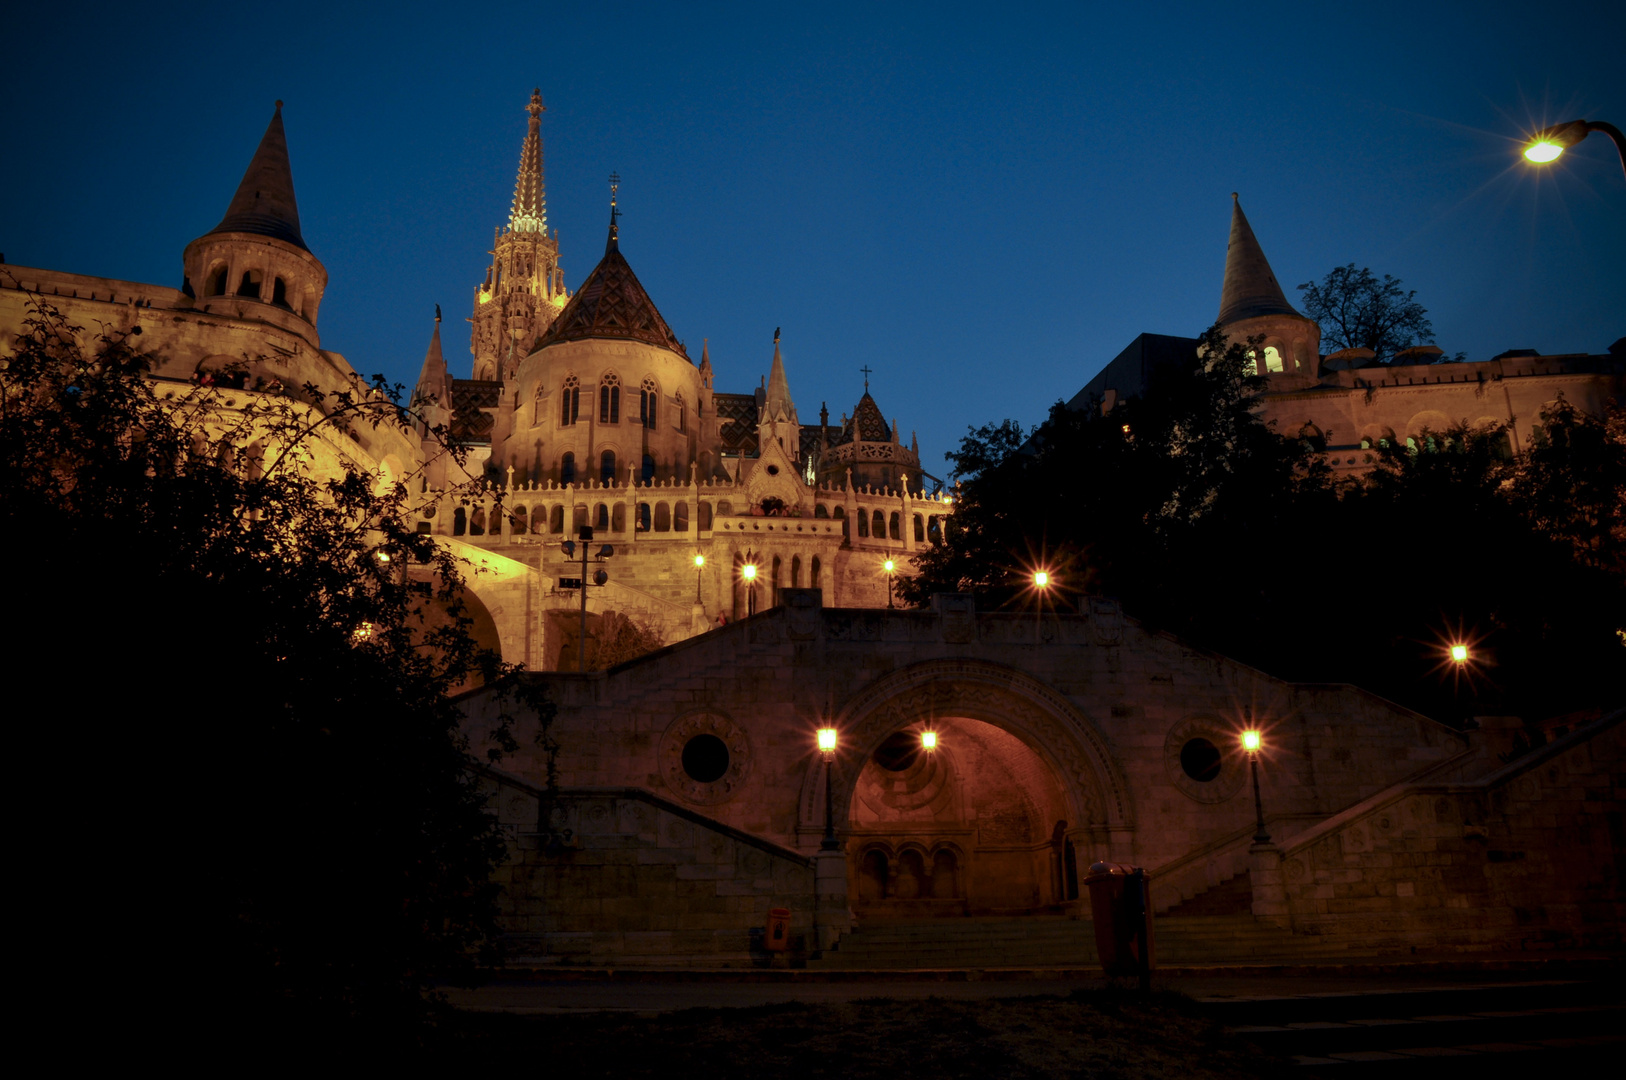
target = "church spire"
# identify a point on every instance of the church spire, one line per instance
(1250, 288)
(530, 210)
(613, 244)
(778, 400)
(432, 379)
(264, 204)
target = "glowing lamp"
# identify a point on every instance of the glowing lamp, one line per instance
(749, 571)
(1251, 741)
(1543, 151)
(383, 556)
(889, 564)
(699, 561)
(827, 740)
(928, 740)
(1459, 654)
(1041, 579)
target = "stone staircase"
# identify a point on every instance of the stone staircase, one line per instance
(1041, 941)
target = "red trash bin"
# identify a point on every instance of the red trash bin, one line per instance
(1120, 904)
(776, 936)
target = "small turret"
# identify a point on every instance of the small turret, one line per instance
(1252, 305)
(255, 264)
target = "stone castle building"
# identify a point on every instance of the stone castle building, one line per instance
(1348, 404)
(691, 798)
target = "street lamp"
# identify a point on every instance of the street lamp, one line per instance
(1459, 654)
(889, 566)
(1546, 146)
(1251, 742)
(827, 749)
(1041, 582)
(928, 741)
(749, 573)
(699, 567)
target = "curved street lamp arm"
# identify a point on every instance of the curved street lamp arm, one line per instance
(1614, 133)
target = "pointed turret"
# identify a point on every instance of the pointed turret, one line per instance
(264, 204)
(1250, 288)
(530, 210)
(434, 382)
(778, 402)
(612, 303)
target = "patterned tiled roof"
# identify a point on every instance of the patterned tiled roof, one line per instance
(737, 422)
(867, 421)
(612, 304)
(471, 398)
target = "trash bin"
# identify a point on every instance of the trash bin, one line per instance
(776, 937)
(1120, 904)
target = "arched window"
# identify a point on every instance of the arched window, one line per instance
(663, 517)
(649, 469)
(648, 395)
(680, 517)
(893, 530)
(773, 583)
(556, 519)
(841, 516)
(705, 516)
(215, 284)
(578, 519)
(618, 518)
(601, 516)
(643, 517)
(878, 526)
(1273, 359)
(920, 530)
(279, 292)
(606, 468)
(813, 576)
(609, 399)
(250, 285)
(570, 401)
(567, 468)
(677, 406)
(821, 511)
(863, 523)
(796, 571)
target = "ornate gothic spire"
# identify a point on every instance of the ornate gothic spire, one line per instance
(778, 400)
(530, 211)
(1250, 288)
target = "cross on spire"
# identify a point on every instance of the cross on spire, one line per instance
(867, 373)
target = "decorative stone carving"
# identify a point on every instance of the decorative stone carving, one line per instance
(677, 736)
(1233, 772)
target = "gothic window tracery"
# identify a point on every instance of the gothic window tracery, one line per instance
(677, 404)
(648, 396)
(609, 398)
(570, 401)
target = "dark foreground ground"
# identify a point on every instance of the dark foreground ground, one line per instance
(1498, 1020)
(1084, 1033)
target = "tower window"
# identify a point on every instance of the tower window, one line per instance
(648, 395)
(609, 399)
(215, 284)
(279, 292)
(250, 285)
(1273, 359)
(570, 401)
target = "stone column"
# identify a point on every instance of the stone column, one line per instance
(1269, 888)
(831, 915)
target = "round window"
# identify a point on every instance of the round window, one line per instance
(773, 470)
(898, 752)
(1201, 760)
(705, 758)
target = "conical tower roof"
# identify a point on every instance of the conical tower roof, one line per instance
(264, 204)
(612, 304)
(867, 423)
(530, 210)
(1250, 287)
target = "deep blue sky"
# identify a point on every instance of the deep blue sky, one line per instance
(984, 203)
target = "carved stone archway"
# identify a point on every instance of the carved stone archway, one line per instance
(1093, 783)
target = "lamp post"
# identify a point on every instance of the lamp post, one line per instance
(585, 534)
(1545, 146)
(749, 573)
(889, 566)
(699, 568)
(1251, 742)
(827, 749)
(1041, 582)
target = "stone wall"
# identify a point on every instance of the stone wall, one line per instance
(620, 877)
(1527, 857)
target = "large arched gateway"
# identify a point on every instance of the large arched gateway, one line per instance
(993, 817)
(688, 795)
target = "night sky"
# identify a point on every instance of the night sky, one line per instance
(983, 203)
